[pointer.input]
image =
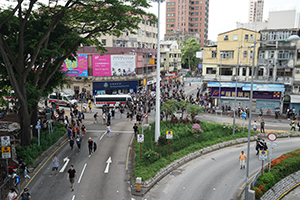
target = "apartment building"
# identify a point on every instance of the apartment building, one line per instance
(256, 10)
(179, 36)
(170, 56)
(188, 16)
(145, 37)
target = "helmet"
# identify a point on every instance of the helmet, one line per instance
(25, 189)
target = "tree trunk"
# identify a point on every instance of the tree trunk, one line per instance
(34, 118)
(24, 118)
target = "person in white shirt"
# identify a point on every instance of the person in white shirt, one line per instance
(254, 126)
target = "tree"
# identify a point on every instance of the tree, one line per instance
(33, 45)
(182, 105)
(194, 109)
(191, 46)
(169, 107)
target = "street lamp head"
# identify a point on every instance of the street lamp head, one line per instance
(293, 38)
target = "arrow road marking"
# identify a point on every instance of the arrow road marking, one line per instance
(66, 161)
(107, 165)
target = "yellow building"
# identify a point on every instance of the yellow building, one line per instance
(220, 61)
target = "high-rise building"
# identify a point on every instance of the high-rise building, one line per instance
(256, 10)
(188, 16)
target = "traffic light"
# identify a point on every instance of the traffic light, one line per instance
(57, 107)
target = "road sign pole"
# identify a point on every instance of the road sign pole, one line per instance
(169, 148)
(39, 137)
(244, 124)
(140, 151)
(7, 166)
(262, 167)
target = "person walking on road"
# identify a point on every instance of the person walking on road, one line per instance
(71, 142)
(25, 195)
(12, 195)
(254, 126)
(79, 140)
(96, 118)
(71, 176)
(262, 126)
(135, 128)
(90, 145)
(55, 165)
(242, 159)
(293, 124)
(258, 145)
(108, 129)
(17, 182)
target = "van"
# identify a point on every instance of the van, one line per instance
(64, 99)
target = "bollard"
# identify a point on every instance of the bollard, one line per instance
(138, 184)
(251, 194)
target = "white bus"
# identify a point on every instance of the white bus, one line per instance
(112, 100)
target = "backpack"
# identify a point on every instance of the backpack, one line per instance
(95, 115)
(25, 196)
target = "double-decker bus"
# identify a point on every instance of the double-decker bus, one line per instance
(112, 100)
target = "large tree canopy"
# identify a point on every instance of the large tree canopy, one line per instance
(34, 44)
(189, 60)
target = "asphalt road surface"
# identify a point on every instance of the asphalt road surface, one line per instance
(214, 176)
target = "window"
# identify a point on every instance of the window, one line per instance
(168, 20)
(245, 54)
(251, 37)
(192, 19)
(246, 37)
(172, 9)
(196, 19)
(103, 41)
(271, 55)
(197, 2)
(172, 4)
(197, 8)
(168, 4)
(225, 37)
(226, 71)
(168, 25)
(235, 37)
(196, 30)
(172, 25)
(285, 54)
(196, 13)
(168, 9)
(261, 55)
(213, 54)
(227, 54)
(211, 70)
(196, 24)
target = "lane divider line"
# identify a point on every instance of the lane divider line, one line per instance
(73, 197)
(82, 173)
(128, 151)
(102, 135)
(51, 156)
(242, 187)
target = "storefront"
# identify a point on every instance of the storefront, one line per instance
(295, 102)
(265, 96)
(115, 87)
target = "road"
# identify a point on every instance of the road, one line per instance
(213, 176)
(92, 182)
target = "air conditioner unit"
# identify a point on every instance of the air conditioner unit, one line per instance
(271, 61)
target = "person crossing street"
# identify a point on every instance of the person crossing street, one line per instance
(71, 176)
(91, 146)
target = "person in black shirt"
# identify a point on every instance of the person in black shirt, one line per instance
(71, 176)
(90, 145)
(135, 128)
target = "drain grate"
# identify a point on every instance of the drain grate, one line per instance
(121, 163)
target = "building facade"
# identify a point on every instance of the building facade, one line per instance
(256, 11)
(188, 17)
(179, 36)
(170, 56)
(145, 37)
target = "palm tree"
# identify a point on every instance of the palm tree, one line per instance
(169, 107)
(182, 105)
(194, 110)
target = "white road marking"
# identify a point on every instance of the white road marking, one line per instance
(82, 172)
(102, 135)
(110, 131)
(107, 165)
(66, 161)
(73, 197)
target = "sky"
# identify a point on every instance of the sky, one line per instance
(223, 14)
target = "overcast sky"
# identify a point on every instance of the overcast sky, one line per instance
(223, 14)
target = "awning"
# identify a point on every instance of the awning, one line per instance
(295, 98)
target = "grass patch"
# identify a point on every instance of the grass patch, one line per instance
(185, 140)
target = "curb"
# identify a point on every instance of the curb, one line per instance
(147, 185)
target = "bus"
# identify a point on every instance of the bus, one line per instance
(112, 100)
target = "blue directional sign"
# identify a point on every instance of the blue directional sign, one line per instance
(38, 127)
(244, 115)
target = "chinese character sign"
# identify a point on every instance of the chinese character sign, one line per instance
(101, 65)
(77, 67)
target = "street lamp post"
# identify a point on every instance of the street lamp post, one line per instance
(234, 107)
(157, 104)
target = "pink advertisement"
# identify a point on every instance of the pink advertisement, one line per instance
(101, 65)
(78, 67)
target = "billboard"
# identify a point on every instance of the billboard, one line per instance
(78, 67)
(101, 65)
(122, 65)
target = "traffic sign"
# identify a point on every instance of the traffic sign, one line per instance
(140, 138)
(6, 155)
(263, 155)
(38, 127)
(244, 115)
(56, 115)
(272, 137)
(169, 134)
(5, 141)
(145, 115)
(5, 149)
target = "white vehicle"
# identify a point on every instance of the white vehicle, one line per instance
(112, 100)
(64, 99)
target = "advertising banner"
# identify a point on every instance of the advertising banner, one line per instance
(78, 67)
(101, 65)
(191, 79)
(122, 65)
